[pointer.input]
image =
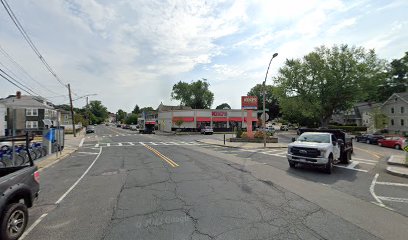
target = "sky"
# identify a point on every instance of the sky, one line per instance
(132, 52)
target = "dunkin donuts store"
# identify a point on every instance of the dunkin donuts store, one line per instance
(195, 119)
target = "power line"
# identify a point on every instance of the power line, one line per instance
(23, 70)
(21, 84)
(28, 40)
(1, 75)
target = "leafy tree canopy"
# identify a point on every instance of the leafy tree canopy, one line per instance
(195, 94)
(328, 80)
(271, 99)
(223, 106)
(99, 112)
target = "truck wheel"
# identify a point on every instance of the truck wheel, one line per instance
(292, 164)
(14, 221)
(347, 157)
(329, 166)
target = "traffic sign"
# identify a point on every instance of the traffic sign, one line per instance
(267, 117)
(406, 148)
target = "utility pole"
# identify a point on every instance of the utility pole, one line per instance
(72, 110)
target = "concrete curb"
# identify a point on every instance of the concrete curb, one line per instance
(222, 145)
(41, 168)
(394, 171)
(390, 161)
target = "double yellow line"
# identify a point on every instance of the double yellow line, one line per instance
(168, 160)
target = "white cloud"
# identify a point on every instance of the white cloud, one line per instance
(132, 52)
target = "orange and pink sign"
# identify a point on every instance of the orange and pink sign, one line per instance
(249, 102)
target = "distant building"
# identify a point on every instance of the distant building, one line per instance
(396, 109)
(359, 115)
(195, 119)
(28, 113)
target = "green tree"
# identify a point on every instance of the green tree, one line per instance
(380, 120)
(271, 99)
(121, 116)
(328, 80)
(131, 119)
(136, 110)
(223, 106)
(98, 112)
(195, 94)
(146, 109)
(396, 79)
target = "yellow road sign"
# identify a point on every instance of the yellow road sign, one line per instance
(406, 148)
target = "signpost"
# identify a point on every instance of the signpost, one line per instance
(249, 103)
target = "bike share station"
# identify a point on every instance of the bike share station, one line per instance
(53, 137)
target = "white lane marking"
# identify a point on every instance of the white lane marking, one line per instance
(82, 142)
(88, 137)
(108, 144)
(90, 153)
(392, 199)
(33, 226)
(355, 169)
(392, 184)
(117, 135)
(174, 143)
(120, 144)
(365, 160)
(131, 144)
(61, 198)
(164, 143)
(79, 179)
(368, 163)
(97, 145)
(379, 202)
(153, 143)
(110, 135)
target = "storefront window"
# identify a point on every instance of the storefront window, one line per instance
(219, 124)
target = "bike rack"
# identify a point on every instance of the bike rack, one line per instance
(21, 138)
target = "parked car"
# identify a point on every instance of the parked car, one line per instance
(393, 142)
(118, 125)
(19, 187)
(207, 130)
(90, 129)
(284, 128)
(134, 127)
(320, 148)
(369, 138)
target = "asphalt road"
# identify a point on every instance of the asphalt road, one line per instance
(122, 185)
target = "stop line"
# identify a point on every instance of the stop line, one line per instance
(129, 144)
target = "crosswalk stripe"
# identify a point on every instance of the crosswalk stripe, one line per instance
(131, 144)
(97, 145)
(108, 144)
(120, 144)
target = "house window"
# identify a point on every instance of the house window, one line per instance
(392, 110)
(31, 124)
(31, 112)
(402, 122)
(402, 110)
(392, 122)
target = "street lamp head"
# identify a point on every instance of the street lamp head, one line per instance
(274, 55)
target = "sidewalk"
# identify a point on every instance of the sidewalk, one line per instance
(241, 144)
(71, 145)
(399, 165)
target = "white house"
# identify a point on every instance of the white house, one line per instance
(3, 123)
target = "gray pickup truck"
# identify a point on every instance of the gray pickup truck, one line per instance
(19, 187)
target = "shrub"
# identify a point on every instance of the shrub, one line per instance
(238, 133)
(244, 135)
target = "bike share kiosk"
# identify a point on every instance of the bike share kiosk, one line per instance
(53, 137)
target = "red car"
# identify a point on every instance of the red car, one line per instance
(393, 142)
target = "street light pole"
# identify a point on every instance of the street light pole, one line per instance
(264, 102)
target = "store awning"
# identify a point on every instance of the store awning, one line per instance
(235, 119)
(218, 119)
(203, 119)
(184, 119)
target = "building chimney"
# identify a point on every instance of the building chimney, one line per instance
(18, 95)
